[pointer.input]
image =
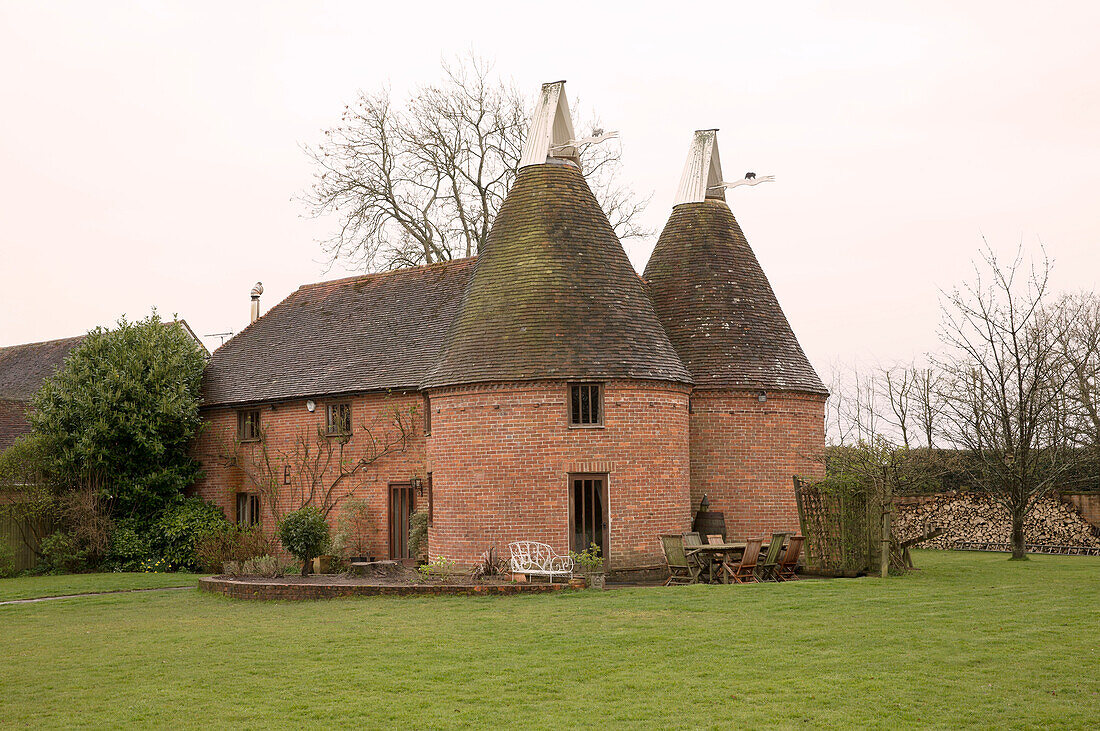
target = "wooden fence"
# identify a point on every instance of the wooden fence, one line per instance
(21, 534)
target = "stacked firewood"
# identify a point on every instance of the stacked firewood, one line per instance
(976, 518)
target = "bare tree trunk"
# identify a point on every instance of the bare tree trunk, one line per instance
(1019, 547)
(307, 566)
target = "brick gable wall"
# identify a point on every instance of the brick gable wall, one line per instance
(13, 422)
(500, 456)
(286, 422)
(744, 454)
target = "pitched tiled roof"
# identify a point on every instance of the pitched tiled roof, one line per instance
(373, 332)
(23, 368)
(718, 307)
(554, 295)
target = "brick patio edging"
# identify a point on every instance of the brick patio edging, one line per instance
(292, 591)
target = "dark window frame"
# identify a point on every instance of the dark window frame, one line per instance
(250, 515)
(427, 415)
(248, 430)
(333, 429)
(580, 405)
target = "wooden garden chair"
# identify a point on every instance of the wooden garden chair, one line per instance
(715, 538)
(706, 562)
(771, 558)
(787, 565)
(745, 572)
(681, 568)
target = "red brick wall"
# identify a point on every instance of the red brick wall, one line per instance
(744, 454)
(13, 422)
(286, 422)
(500, 456)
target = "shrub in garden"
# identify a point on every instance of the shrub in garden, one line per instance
(120, 414)
(129, 547)
(235, 544)
(180, 527)
(304, 533)
(7, 560)
(418, 533)
(353, 529)
(266, 566)
(62, 553)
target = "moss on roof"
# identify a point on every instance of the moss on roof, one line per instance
(554, 295)
(718, 307)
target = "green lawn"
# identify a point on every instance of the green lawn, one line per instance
(30, 587)
(971, 640)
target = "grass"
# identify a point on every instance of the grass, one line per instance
(972, 640)
(31, 587)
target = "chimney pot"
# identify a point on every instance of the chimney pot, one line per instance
(256, 292)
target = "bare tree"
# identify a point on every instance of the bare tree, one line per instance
(422, 182)
(1076, 321)
(927, 406)
(899, 384)
(1003, 383)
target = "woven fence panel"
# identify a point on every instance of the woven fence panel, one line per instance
(839, 529)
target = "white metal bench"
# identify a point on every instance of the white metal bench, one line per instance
(538, 559)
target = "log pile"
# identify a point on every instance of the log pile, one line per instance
(975, 518)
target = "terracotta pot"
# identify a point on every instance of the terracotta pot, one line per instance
(322, 564)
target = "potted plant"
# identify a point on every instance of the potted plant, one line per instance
(591, 563)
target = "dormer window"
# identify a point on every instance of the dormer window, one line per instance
(585, 404)
(339, 420)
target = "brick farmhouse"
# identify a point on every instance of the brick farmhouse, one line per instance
(541, 390)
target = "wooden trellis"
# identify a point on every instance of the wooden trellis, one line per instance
(843, 529)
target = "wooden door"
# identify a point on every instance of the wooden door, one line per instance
(588, 513)
(401, 509)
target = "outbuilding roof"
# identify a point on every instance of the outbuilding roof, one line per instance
(718, 307)
(24, 367)
(554, 295)
(366, 333)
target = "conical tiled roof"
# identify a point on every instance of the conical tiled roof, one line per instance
(718, 307)
(553, 295)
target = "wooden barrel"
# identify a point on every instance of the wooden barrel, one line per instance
(709, 523)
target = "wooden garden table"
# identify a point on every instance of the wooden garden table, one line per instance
(720, 553)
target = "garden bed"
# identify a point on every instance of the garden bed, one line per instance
(332, 586)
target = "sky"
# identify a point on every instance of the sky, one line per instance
(151, 153)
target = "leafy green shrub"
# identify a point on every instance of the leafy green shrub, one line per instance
(235, 544)
(7, 560)
(179, 529)
(418, 533)
(129, 547)
(61, 553)
(304, 533)
(125, 406)
(231, 568)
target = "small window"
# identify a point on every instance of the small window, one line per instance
(248, 425)
(248, 509)
(339, 419)
(427, 415)
(585, 402)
